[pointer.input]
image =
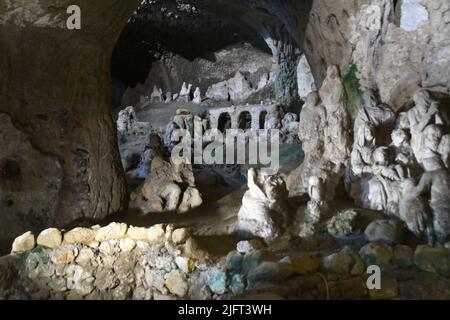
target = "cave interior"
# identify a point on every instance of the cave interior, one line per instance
(120, 177)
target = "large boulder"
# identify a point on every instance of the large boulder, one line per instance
(435, 260)
(50, 238)
(388, 231)
(23, 243)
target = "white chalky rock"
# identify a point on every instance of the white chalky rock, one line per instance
(413, 13)
(79, 236)
(305, 79)
(156, 234)
(50, 238)
(127, 245)
(137, 234)
(176, 283)
(113, 231)
(23, 243)
(180, 235)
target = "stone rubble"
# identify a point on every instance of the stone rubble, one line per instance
(165, 263)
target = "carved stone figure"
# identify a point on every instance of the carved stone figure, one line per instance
(382, 191)
(414, 213)
(312, 122)
(126, 120)
(371, 172)
(316, 206)
(273, 118)
(435, 184)
(365, 145)
(431, 138)
(169, 97)
(290, 123)
(185, 93)
(170, 128)
(404, 157)
(374, 116)
(153, 148)
(157, 95)
(163, 188)
(337, 131)
(197, 96)
(262, 213)
(424, 113)
(324, 131)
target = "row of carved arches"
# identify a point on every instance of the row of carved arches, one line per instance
(244, 121)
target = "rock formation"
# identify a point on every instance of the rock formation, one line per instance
(126, 120)
(169, 187)
(263, 210)
(324, 128)
(197, 96)
(70, 113)
(157, 95)
(185, 92)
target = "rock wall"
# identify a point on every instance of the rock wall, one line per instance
(395, 50)
(29, 185)
(55, 88)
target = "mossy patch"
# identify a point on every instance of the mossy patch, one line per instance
(442, 87)
(353, 90)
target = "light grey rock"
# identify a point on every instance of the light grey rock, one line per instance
(435, 184)
(197, 96)
(249, 246)
(23, 243)
(126, 120)
(305, 78)
(192, 199)
(156, 95)
(388, 231)
(263, 207)
(113, 231)
(49, 238)
(180, 235)
(343, 223)
(413, 14)
(176, 283)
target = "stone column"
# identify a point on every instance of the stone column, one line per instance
(213, 121)
(235, 120)
(255, 120)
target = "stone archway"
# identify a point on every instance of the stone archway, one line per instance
(245, 121)
(225, 122)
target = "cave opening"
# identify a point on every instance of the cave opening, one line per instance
(194, 67)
